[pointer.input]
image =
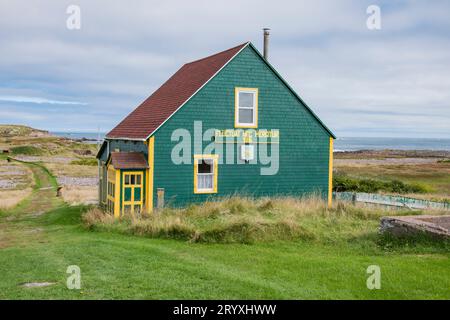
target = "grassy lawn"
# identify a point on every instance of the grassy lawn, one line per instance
(38, 247)
(119, 266)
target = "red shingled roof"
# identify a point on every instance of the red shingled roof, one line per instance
(128, 160)
(165, 101)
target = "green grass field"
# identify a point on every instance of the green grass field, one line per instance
(118, 266)
(42, 236)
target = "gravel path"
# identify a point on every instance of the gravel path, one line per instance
(77, 181)
(7, 184)
(45, 159)
(13, 172)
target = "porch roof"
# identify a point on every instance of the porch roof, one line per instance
(128, 160)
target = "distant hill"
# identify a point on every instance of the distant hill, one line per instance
(10, 130)
(26, 141)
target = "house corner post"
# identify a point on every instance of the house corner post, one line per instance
(330, 174)
(150, 173)
(117, 191)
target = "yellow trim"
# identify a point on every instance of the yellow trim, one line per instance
(132, 202)
(110, 179)
(330, 174)
(150, 173)
(215, 158)
(117, 196)
(236, 114)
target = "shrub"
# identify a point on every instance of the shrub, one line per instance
(26, 150)
(95, 216)
(345, 183)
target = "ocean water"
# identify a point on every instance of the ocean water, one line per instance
(80, 135)
(340, 144)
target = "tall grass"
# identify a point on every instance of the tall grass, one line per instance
(10, 198)
(246, 220)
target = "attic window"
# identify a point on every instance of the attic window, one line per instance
(205, 173)
(246, 108)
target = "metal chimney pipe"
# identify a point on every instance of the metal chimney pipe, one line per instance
(266, 43)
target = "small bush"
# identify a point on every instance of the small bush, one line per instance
(95, 216)
(345, 183)
(85, 162)
(26, 150)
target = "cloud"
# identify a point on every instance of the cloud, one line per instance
(38, 100)
(17, 116)
(360, 82)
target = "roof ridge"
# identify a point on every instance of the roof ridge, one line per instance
(215, 54)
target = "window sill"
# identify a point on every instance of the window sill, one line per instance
(254, 126)
(205, 191)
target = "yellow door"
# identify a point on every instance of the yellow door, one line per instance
(133, 192)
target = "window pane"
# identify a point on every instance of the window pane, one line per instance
(137, 194)
(205, 166)
(133, 179)
(127, 194)
(245, 99)
(127, 179)
(205, 182)
(245, 116)
(138, 179)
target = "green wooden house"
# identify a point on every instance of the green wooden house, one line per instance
(223, 125)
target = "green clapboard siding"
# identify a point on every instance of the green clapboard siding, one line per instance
(303, 148)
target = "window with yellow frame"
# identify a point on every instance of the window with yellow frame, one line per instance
(246, 107)
(205, 173)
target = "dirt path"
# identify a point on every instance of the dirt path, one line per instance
(15, 226)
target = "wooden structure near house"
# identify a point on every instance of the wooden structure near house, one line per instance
(222, 125)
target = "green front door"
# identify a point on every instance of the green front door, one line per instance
(133, 192)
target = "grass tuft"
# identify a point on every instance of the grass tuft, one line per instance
(26, 150)
(95, 217)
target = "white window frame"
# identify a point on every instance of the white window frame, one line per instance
(237, 122)
(214, 159)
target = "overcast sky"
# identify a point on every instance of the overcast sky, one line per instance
(389, 82)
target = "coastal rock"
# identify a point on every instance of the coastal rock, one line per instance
(438, 226)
